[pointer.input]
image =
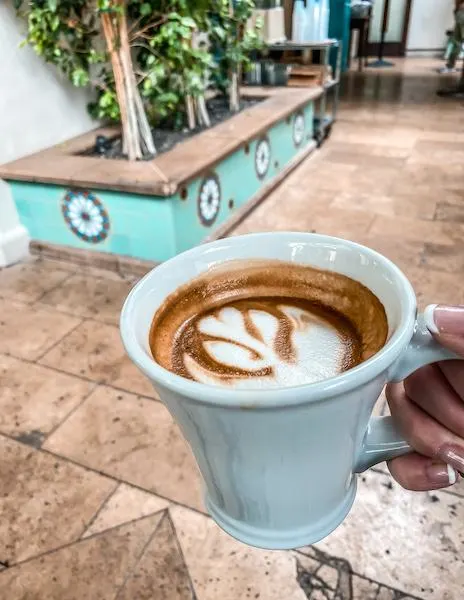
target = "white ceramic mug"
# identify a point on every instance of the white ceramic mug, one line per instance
(280, 464)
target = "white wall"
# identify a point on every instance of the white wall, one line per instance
(429, 21)
(38, 108)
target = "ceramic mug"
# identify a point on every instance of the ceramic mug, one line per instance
(280, 464)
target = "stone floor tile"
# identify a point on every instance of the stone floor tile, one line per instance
(93, 569)
(96, 297)
(444, 258)
(28, 281)
(392, 205)
(126, 504)
(161, 573)
(133, 439)
(221, 567)
(94, 350)
(416, 230)
(35, 399)
(386, 528)
(436, 287)
(45, 502)
(404, 253)
(29, 331)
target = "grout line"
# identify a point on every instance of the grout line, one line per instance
(53, 288)
(98, 511)
(55, 344)
(356, 574)
(130, 572)
(104, 474)
(76, 542)
(182, 555)
(97, 382)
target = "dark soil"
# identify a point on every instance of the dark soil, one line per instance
(166, 138)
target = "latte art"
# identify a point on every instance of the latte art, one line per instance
(235, 327)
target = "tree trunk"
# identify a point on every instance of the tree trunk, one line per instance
(137, 137)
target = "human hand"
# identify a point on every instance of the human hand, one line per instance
(429, 409)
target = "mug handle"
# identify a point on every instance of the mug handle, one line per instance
(382, 440)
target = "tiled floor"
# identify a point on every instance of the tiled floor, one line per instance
(99, 495)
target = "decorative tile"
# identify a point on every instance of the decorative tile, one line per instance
(133, 439)
(45, 502)
(34, 399)
(386, 527)
(95, 569)
(87, 296)
(29, 331)
(27, 282)
(126, 504)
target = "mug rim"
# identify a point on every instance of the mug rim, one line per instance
(272, 397)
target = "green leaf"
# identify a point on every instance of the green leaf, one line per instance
(52, 5)
(145, 9)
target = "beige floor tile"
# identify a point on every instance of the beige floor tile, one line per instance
(94, 569)
(382, 536)
(94, 350)
(133, 439)
(29, 331)
(126, 504)
(45, 502)
(35, 399)
(161, 573)
(445, 258)
(450, 211)
(416, 230)
(96, 297)
(435, 286)
(28, 281)
(392, 205)
(221, 567)
(404, 253)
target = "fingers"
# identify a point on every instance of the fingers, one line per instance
(426, 435)
(429, 389)
(446, 323)
(419, 473)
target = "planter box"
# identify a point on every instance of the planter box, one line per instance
(152, 210)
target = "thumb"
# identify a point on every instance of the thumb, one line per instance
(446, 324)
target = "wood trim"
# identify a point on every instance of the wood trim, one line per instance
(389, 49)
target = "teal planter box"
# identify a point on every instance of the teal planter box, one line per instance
(157, 227)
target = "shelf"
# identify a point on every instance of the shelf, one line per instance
(289, 45)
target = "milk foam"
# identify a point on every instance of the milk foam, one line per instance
(317, 349)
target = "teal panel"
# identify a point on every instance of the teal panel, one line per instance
(139, 226)
(238, 177)
(155, 228)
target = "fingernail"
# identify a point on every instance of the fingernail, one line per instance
(441, 475)
(452, 455)
(441, 318)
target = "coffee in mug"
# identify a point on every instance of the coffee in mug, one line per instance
(267, 324)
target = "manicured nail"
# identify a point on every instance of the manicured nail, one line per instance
(441, 318)
(452, 455)
(441, 475)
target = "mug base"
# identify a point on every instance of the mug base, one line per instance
(269, 539)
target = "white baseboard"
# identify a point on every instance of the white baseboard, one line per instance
(14, 237)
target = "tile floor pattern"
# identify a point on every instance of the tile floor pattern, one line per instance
(99, 495)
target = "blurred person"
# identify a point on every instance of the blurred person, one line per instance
(457, 38)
